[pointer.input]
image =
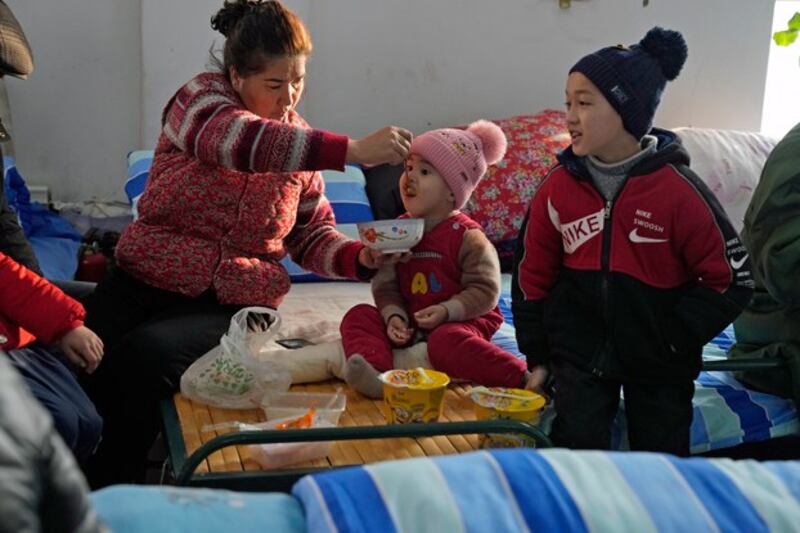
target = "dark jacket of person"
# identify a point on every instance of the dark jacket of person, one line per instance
(13, 242)
(41, 486)
(631, 288)
(770, 324)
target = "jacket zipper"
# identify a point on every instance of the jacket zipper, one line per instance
(597, 369)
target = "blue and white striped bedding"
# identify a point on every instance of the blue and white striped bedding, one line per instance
(555, 490)
(725, 412)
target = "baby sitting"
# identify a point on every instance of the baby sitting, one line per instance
(447, 291)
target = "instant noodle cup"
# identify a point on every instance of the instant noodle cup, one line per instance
(507, 403)
(414, 395)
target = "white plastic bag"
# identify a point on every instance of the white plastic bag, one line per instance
(229, 375)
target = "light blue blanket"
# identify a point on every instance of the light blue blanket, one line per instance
(150, 509)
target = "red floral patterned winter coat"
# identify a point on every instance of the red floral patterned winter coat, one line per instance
(224, 202)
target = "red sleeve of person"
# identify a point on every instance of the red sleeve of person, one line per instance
(32, 307)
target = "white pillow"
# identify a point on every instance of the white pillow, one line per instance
(730, 163)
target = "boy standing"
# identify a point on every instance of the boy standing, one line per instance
(626, 264)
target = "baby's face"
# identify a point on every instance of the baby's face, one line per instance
(424, 192)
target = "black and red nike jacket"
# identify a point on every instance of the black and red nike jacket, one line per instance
(631, 288)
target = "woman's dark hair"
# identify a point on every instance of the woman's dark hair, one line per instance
(257, 31)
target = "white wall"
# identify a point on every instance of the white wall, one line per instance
(426, 64)
(105, 68)
(79, 113)
(176, 37)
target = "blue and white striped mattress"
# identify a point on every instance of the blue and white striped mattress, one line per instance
(725, 412)
(555, 490)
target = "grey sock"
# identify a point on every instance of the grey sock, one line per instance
(363, 377)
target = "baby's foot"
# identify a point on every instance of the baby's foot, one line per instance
(363, 377)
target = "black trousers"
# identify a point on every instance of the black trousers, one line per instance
(659, 416)
(151, 337)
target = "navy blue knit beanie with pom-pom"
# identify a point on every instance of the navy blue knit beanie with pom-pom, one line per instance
(633, 78)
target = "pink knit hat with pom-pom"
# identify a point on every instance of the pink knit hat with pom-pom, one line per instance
(462, 156)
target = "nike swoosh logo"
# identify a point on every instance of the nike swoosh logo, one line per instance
(737, 263)
(635, 237)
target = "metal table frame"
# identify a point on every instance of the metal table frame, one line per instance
(183, 467)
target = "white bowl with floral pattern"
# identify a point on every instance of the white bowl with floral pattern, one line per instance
(391, 236)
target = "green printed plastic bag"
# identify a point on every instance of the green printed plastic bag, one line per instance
(229, 375)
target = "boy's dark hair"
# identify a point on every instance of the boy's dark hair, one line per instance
(257, 31)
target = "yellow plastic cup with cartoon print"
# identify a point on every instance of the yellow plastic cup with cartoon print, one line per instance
(507, 403)
(415, 395)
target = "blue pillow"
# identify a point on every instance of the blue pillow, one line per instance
(346, 192)
(151, 509)
(139, 162)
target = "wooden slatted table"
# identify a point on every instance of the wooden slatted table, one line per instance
(186, 425)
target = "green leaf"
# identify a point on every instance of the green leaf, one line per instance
(784, 38)
(794, 23)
